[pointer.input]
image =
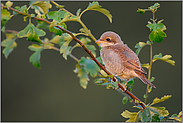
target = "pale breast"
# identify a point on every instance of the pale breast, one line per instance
(112, 61)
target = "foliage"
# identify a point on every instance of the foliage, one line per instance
(148, 114)
(85, 66)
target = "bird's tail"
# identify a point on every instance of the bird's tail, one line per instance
(144, 79)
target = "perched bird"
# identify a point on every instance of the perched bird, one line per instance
(119, 59)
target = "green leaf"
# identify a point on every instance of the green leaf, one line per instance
(157, 56)
(3, 29)
(157, 100)
(9, 45)
(69, 17)
(104, 74)
(11, 35)
(125, 100)
(154, 7)
(138, 107)
(83, 40)
(139, 46)
(56, 39)
(32, 33)
(35, 57)
(102, 81)
(67, 52)
(90, 66)
(165, 58)
(145, 96)
(83, 76)
(99, 59)
(78, 12)
(42, 25)
(130, 84)
(141, 11)
(41, 7)
(159, 110)
(92, 49)
(23, 9)
(112, 85)
(47, 44)
(177, 117)
(8, 4)
(157, 34)
(96, 7)
(57, 15)
(152, 79)
(145, 115)
(133, 117)
(155, 26)
(155, 118)
(83, 30)
(64, 48)
(146, 65)
(5, 16)
(54, 29)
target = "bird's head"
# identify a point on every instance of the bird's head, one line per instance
(109, 38)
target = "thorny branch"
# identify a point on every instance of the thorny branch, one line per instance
(89, 52)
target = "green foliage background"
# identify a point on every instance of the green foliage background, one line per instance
(53, 93)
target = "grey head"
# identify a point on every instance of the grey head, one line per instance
(109, 38)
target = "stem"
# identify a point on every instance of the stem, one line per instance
(82, 13)
(72, 56)
(83, 25)
(149, 73)
(150, 66)
(11, 31)
(153, 16)
(85, 48)
(61, 8)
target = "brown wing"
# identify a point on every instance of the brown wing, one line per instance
(129, 58)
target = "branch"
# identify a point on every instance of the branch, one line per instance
(89, 52)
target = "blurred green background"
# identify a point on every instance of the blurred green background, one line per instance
(53, 93)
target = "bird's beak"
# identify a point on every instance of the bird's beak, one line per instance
(100, 41)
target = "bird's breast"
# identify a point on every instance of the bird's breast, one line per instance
(112, 61)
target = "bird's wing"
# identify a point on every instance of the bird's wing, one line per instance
(129, 58)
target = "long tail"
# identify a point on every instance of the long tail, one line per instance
(144, 79)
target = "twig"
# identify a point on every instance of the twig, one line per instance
(61, 8)
(84, 47)
(11, 31)
(149, 73)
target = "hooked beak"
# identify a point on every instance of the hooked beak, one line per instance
(100, 41)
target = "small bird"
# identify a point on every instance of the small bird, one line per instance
(119, 59)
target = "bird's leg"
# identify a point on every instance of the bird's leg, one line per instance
(125, 83)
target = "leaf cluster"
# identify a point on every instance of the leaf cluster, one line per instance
(149, 114)
(60, 41)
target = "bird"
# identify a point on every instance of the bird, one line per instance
(119, 59)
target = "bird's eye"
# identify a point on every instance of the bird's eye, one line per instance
(108, 39)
